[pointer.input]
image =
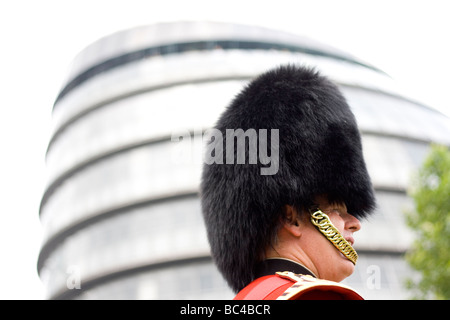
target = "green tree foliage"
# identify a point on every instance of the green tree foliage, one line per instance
(430, 253)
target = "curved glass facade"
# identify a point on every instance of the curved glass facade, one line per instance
(169, 230)
(149, 172)
(138, 118)
(124, 163)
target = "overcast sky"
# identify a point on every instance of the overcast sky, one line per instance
(407, 39)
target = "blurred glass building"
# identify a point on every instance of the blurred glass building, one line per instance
(121, 210)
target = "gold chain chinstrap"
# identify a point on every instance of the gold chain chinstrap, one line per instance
(324, 225)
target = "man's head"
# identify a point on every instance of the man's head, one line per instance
(319, 153)
(297, 239)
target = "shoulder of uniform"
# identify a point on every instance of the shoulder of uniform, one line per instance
(264, 288)
(310, 288)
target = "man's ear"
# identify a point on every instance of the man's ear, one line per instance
(292, 221)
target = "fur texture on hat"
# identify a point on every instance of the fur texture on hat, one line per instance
(320, 153)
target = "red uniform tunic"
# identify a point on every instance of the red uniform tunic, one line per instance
(288, 285)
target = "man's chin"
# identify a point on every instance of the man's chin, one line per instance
(346, 267)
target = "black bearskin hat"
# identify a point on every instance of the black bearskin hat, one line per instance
(319, 152)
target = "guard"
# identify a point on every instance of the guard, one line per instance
(288, 234)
